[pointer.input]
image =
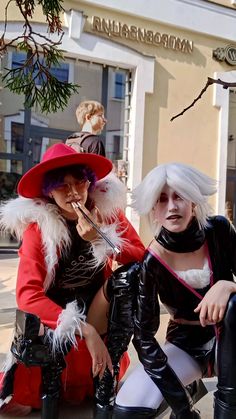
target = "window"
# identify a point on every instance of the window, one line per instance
(119, 85)
(17, 137)
(60, 72)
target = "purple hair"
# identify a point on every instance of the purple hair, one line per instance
(55, 178)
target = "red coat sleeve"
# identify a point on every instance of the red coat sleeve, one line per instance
(133, 249)
(30, 294)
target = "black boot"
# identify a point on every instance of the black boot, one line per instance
(34, 350)
(197, 390)
(123, 412)
(121, 291)
(103, 412)
(225, 397)
(194, 414)
(51, 386)
(25, 333)
(223, 410)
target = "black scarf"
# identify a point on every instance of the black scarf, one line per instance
(185, 241)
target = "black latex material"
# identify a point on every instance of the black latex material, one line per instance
(223, 410)
(197, 390)
(149, 351)
(186, 241)
(103, 412)
(186, 415)
(27, 347)
(226, 394)
(121, 412)
(50, 408)
(51, 385)
(121, 291)
(34, 350)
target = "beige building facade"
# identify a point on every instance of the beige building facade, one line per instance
(145, 61)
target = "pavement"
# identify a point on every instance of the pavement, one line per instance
(8, 270)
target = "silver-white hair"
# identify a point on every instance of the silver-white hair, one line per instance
(188, 182)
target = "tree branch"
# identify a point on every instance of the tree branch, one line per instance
(34, 77)
(209, 82)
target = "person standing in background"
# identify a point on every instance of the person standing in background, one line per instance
(91, 119)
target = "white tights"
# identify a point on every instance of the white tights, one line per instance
(140, 391)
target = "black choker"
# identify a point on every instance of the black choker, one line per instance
(186, 241)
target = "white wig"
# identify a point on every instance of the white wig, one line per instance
(188, 182)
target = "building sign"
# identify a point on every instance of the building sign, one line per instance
(115, 29)
(227, 54)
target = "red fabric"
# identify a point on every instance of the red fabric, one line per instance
(77, 382)
(133, 248)
(30, 295)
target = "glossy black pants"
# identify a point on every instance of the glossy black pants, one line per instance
(121, 292)
(225, 396)
(133, 413)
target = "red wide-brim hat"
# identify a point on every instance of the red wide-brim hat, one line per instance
(57, 156)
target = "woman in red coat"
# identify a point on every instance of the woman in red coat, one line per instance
(62, 274)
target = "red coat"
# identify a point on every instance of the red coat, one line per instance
(31, 297)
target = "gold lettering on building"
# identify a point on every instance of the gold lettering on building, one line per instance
(113, 28)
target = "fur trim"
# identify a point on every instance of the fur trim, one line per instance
(109, 195)
(9, 361)
(101, 249)
(17, 214)
(5, 401)
(69, 322)
(7, 384)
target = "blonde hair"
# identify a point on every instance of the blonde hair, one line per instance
(88, 107)
(188, 182)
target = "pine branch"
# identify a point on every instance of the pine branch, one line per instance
(35, 80)
(52, 12)
(34, 77)
(209, 82)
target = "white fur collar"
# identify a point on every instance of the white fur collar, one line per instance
(109, 195)
(17, 214)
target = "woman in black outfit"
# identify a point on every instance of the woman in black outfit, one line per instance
(189, 265)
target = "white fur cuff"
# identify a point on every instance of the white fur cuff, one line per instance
(68, 325)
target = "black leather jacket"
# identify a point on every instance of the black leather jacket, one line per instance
(156, 280)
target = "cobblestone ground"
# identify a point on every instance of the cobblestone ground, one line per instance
(7, 306)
